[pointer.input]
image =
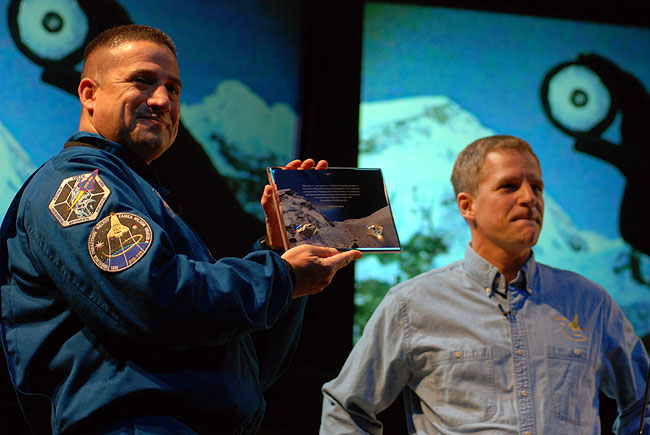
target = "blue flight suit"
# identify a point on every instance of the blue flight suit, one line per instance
(114, 312)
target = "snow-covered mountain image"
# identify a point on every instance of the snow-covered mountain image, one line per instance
(15, 167)
(305, 224)
(242, 134)
(241, 117)
(415, 142)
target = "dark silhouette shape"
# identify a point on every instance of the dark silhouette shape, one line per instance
(631, 101)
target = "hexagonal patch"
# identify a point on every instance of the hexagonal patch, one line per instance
(79, 199)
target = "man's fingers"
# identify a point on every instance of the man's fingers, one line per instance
(342, 259)
(273, 231)
(267, 202)
(308, 164)
(300, 164)
(322, 251)
(294, 164)
(266, 195)
(316, 265)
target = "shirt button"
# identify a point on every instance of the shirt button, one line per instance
(520, 352)
(524, 393)
(459, 354)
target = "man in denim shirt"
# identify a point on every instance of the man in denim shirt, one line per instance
(494, 343)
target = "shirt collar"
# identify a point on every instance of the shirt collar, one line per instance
(134, 161)
(488, 275)
(102, 143)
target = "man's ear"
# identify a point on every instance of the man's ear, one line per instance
(87, 92)
(465, 203)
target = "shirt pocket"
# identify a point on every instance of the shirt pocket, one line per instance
(460, 387)
(572, 382)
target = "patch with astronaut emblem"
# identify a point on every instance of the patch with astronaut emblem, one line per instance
(118, 241)
(79, 199)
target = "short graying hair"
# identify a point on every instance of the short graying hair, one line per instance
(467, 173)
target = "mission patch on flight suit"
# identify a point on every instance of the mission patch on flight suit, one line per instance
(79, 199)
(118, 241)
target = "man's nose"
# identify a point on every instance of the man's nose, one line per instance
(159, 98)
(527, 194)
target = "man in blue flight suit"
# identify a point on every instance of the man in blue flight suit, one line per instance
(115, 317)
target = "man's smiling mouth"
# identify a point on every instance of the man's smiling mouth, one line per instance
(154, 120)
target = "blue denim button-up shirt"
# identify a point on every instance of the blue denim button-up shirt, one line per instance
(469, 360)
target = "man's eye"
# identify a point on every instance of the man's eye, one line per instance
(173, 93)
(141, 80)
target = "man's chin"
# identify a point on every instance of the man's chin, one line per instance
(528, 239)
(151, 148)
(531, 241)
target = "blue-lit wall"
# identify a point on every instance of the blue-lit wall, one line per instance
(239, 62)
(434, 79)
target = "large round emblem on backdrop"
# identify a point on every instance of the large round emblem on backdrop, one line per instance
(576, 100)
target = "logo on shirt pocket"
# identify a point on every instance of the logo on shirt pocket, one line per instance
(571, 329)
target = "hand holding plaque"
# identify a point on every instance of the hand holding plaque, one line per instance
(342, 208)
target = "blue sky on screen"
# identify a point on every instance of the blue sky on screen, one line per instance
(492, 65)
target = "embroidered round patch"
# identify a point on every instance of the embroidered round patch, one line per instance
(118, 241)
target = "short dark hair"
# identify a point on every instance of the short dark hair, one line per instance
(467, 173)
(116, 36)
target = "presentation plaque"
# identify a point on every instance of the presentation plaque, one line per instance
(342, 208)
